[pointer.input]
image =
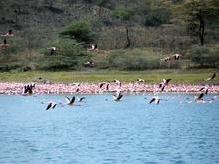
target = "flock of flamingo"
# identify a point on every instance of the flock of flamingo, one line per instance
(115, 86)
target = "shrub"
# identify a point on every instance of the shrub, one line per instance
(80, 31)
(69, 55)
(133, 60)
(157, 17)
(204, 56)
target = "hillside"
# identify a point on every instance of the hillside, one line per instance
(153, 29)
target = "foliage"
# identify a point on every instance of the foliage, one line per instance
(80, 31)
(133, 60)
(204, 56)
(157, 16)
(124, 14)
(69, 55)
(196, 14)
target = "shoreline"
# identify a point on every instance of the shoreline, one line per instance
(94, 88)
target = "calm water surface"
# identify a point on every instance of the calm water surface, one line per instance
(103, 131)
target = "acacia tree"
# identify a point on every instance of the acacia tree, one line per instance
(196, 14)
(125, 16)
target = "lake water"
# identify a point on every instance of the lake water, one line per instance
(102, 131)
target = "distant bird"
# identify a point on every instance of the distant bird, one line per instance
(140, 80)
(102, 84)
(205, 89)
(9, 34)
(156, 100)
(166, 59)
(93, 47)
(70, 101)
(52, 50)
(77, 90)
(89, 64)
(212, 77)
(28, 89)
(107, 86)
(164, 83)
(117, 97)
(117, 82)
(177, 56)
(81, 99)
(199, 97)
(51, 105)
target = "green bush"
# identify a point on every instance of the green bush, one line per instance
(204, 56)
(80, 31)
(133, 60)
(69, 55)
(157, 17)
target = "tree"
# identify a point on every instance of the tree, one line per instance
(80, 31)
(125, 16)
(196, 14)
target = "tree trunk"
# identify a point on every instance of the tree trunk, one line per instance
(127, 37)
(201, 30)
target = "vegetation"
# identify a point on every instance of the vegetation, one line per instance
(131, 35)
(155, 76)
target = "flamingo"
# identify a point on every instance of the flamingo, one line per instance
(212, 77)
(70, 101)
(51, 105)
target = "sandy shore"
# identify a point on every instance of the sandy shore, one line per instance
(94, 88)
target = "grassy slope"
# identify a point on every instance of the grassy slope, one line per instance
(154, 76)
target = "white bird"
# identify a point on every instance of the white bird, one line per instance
(118, 96)
(205, 89)
(199, 97)
(156, 100)
(9, 34)
(212, 77)
(53, 50)
(177, 56)
(164, 83)
(117, 82)
(140, 80)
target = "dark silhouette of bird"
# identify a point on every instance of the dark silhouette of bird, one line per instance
(205, 89)
(117, 82)
(163, 84)
(107, 86)
(70, 101)
(81, 99)
(177, 56)
(118, 96)
(102, 84)
(8, 34)
(51, 105)
(52, 50)
(77, 90)
(156, 100)
(199, 97)
(212, 77)
(28, 89)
